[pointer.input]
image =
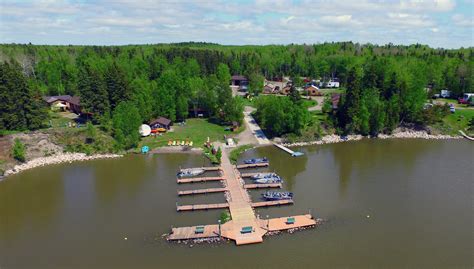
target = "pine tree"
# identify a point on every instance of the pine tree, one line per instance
(117, 86)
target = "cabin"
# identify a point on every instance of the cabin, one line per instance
(160, 122)
(312, 90)
(64, 103)
(335, 99)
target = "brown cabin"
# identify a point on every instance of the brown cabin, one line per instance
(64, 103)
(160, 122)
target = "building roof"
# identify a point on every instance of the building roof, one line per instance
(75, 100)
(161, 120)
(238, 77)
(311, 86)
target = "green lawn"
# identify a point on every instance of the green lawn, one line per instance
(330, 91)
(457, 121)
(196, 130)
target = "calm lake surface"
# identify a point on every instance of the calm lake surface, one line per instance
(418, 194)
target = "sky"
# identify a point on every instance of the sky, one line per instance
(437, 23)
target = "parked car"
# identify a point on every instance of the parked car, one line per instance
(465, 98)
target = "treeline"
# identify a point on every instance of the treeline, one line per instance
(55, 69)
(186, 79)
(21, 108)
(374, 104)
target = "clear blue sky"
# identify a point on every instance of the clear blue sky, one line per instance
(438, 23)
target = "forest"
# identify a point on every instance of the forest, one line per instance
(179, 80)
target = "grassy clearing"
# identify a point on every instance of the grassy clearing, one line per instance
(331, 91)
(196, 130)
(454, 122)
(235, 153)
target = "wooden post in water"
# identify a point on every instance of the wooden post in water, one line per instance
(219, 221)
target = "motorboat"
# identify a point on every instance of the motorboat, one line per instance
(264, 175)
(274, 195)
(268, 180)
(256, 160)
(190, 172)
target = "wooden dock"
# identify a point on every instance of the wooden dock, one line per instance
(185, 233)
(207, 169)
(180, 208)
(246, 175)
(253, 165)
(291, 152)
(263, 186)
(281, 224)
(201, 191)
(198, 179)
(211, 168)
(272, 203)
(244, 227)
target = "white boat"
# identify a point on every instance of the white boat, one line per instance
(268, 180)
(190, 172)
(264, 175)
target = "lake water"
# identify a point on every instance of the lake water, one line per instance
(418, 194)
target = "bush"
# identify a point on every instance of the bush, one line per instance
(18, 150)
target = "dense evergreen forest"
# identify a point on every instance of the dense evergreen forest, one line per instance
(385, 84)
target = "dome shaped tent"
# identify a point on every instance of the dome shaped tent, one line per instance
(144, 130)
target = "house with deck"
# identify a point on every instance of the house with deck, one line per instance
(64, 103)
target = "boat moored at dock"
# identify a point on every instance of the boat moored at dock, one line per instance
(256, 160)
(190, 172)
(264, 175)
(275, 195)
(267, 180)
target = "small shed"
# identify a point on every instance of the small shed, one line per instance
(161, 122)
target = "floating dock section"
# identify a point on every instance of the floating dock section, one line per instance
(263, 186)
(201, 191)
(293, 153)
(252, 165)
(198, 179)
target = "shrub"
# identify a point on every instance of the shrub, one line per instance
(18, 150)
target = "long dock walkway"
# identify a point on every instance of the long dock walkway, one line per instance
(291, 152)
(243, 216)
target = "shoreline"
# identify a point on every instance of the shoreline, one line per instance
(332, 139)
(56, 159)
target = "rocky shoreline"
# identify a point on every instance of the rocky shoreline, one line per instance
(330, 139)
(56, 159)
